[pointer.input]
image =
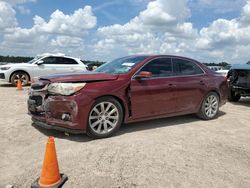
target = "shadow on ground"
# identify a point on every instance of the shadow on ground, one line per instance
(128, 128)
(62, 135)
(243, 102)
(10, 85)
(6, 85)
(164, 122)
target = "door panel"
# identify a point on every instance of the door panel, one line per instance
(190, 93)
(191, 84)
(47, 67)
(152, 97)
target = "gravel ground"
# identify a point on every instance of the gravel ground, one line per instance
(173, 152)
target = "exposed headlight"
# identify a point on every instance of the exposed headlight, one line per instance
(34, 79)
(65, 88)
(5, 68)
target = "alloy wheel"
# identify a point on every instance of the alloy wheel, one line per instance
(103, 117)
(211, 106)
(20, 77)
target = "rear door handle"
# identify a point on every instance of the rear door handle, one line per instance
(171, 85)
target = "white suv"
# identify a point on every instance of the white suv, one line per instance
(40, 66)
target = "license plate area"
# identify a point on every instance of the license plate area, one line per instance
(32, 105)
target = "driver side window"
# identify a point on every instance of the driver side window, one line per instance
(49, 60)
(161, 67)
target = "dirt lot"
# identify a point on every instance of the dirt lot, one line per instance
(174, 152)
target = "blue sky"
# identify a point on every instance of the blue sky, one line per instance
(105, 29)
(107, 11)
(121, 11)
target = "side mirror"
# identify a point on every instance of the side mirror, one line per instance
(39, 62)
(143, 74)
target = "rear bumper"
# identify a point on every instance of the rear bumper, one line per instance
(243, 91)
(63, 129)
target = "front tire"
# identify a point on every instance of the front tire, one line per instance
(232, 97)
(105, 118)
(20, 76)
(209, 107)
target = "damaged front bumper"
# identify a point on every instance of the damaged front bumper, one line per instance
(38, 123)
(58, 112)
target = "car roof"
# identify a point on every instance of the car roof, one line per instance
(55, 55)
(163, 55)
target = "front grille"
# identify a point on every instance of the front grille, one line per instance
(38, 99)
(2, 76)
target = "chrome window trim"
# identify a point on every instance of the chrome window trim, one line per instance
(175, 76)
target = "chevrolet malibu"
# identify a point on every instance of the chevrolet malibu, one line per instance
(128, 89)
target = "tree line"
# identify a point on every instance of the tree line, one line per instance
(222, 64)
(15, 59)
(20, 59)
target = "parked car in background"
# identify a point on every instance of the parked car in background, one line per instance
(239, 81)
(215, 68)
(128, 89)
(3, 63)
(41, 65)
(224, 70)
(92, 65)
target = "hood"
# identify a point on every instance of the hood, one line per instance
(241, 66)
(15, 65)
(80, 77)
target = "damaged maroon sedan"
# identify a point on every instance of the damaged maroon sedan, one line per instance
(128, 89)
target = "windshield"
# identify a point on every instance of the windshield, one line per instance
(121, 65)
(33, 60)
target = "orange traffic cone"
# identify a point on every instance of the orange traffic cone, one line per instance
(50, 176)
(19, 85)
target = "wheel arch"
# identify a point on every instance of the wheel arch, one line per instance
(215, 91)
(19, 71)
(209, 91)
(124, 109)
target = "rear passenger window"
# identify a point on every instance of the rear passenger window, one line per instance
(161, 67)
(59, 60)
(185, 67)
(67, 61)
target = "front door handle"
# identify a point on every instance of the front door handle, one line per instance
(202, 83)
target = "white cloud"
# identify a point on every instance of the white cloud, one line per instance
(7, 16)
(227, 40)
(65, 41)
(162, 27)
(61, 33)
(72, 25)
(246, 13)
(152, 31)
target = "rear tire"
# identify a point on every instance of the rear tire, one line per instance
(209, 107)
(232, 97)
(24, 77)
(105, 118)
